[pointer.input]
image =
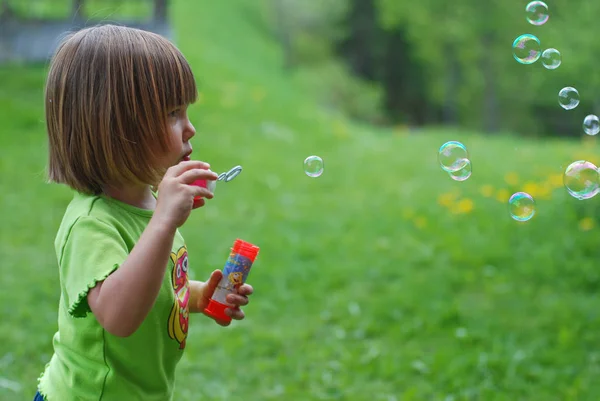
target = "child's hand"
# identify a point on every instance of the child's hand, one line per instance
(176, 194)
(234, 300)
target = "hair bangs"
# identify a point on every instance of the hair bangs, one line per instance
(179, 81)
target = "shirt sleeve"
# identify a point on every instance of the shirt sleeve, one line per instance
(92, 251)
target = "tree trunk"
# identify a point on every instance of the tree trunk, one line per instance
(490, 101)
(77, 8)
(450, 108)
(284, 35)
(160, 11)
(5, 11)
(359, 47)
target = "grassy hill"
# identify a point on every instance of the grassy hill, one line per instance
(382, 280)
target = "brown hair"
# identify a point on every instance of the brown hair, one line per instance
(108, 95)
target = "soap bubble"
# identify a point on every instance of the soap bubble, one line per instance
(453, 156)
(527, 49)
(463, 174)
(521, 206)
(313, 166)
(551, 59)
(568, 98)
(591, 124)
(582, 180)
(537, 13)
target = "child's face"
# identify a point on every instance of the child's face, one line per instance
(181, 131)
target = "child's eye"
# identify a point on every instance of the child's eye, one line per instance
(174, 113)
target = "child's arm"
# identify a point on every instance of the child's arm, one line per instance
(201, 292)
(122, 301)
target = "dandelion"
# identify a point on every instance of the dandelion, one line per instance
(340, 129)
(407, 213)
(487, 191)
(420, 222)
(502, 195)
(464, 206)
(447, 199)
(586, 224)
(539, 191)
(258, 94)
(511, 178)
(555, 180)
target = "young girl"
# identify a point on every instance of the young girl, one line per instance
(116, 113)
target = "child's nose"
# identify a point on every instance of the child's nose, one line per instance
(190, 131)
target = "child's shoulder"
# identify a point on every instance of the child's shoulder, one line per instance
(100, 213)
(92, 206)
(86, 209)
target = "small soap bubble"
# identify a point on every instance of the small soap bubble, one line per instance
(551, 59)
(582, 180)
(462, 174)
(313, 166)
(527, 49)
(537, 13)
(591, 124)
(521, 206)
(568, 98)
(453, 156)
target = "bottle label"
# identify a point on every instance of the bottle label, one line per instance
(235, 273)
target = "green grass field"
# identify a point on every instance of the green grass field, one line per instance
(382, 280)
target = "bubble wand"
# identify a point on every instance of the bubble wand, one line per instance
(211, 185)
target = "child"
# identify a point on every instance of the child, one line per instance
(116, 114)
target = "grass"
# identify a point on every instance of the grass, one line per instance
(381, 280)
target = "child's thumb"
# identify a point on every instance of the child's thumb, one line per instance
(214, 280)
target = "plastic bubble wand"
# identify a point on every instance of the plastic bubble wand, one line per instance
(225, 177)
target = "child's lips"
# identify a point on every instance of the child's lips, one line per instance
(186, 158)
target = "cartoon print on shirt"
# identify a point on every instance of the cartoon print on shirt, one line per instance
(179, 317)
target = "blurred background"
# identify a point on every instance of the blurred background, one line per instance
(381, 279)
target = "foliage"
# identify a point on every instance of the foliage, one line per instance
(477, 36)
(381, 280)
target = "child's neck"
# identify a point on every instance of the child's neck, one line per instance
(138, 196)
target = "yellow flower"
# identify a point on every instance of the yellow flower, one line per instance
(511, 178)
(586, 224)
(502, 195)
(537, 191)
(407, 213)
(463, 206)
(340, 129)
(420, 222)
(487, 190)
(447, 198)
(401, 130)
(258, 94)
(555, 180)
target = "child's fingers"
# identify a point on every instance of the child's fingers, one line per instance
(235, 313)
(213, 282)
(237, 300)
(194, 174)
(223, 323)
(245, 289)
(202, 192)
(198, 202)
(182, 167)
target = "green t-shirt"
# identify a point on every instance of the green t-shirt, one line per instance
(94, 239)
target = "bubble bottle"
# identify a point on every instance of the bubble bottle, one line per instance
(235, 272)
